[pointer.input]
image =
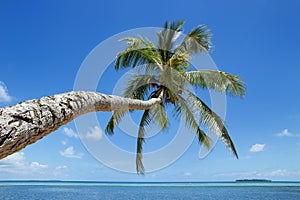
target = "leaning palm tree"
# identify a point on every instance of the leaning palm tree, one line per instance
(166, 73)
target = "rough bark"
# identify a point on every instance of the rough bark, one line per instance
(29, 121)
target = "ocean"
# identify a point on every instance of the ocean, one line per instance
(76, 190)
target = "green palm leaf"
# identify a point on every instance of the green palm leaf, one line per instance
(159, 115)
(139, 51)
(211, 120)
(179, 61)
(114, 120)
(139, 86)
(204, 139)
(183, 109)
(140, 140)
(213, 79)
(198, 40)
(170, 33)
(167, 38)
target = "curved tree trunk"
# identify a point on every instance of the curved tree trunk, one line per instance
(29, 121)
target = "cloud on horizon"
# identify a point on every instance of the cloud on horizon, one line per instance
(17, 163)
(187, 174)
(60, 170)
(16, 166)
(260, 174)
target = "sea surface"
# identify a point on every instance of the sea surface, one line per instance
(76, 190)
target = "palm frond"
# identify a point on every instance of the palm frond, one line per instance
(156, 113)
(175, 26)
(138, 52)
(169, 79)
(171, 31)
(114, 120)
(174, 84)
(213, 79)
(198, 40)
(139, 86)
(204, 139)
(167, 38)
(140, 140)
(159, 114)
(187, 112)
(150, 68)
(179, 61)
(211, 120)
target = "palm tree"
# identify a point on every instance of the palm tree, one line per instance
(28, 121)
(165, 73)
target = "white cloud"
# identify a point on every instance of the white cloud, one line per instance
(70, 133)
(260, 174)
(64, 142)
(4, 96)
(61, 167)
(16, 159)
(37, 165)
(284, 133)
(95, 133)
(257, 148)
(60, 171)
(278, 172)
(187, 174)
(287, 133)
(16, 163)
(70, 153)
(17, 166)
(236, 174)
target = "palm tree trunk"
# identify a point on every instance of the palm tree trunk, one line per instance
(29, 121)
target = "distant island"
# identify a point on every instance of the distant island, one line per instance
(253, 180)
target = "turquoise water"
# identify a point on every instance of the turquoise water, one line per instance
(12, 190)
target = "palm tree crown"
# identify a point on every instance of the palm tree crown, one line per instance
(167, 74)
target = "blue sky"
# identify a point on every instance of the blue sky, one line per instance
(43, 44)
